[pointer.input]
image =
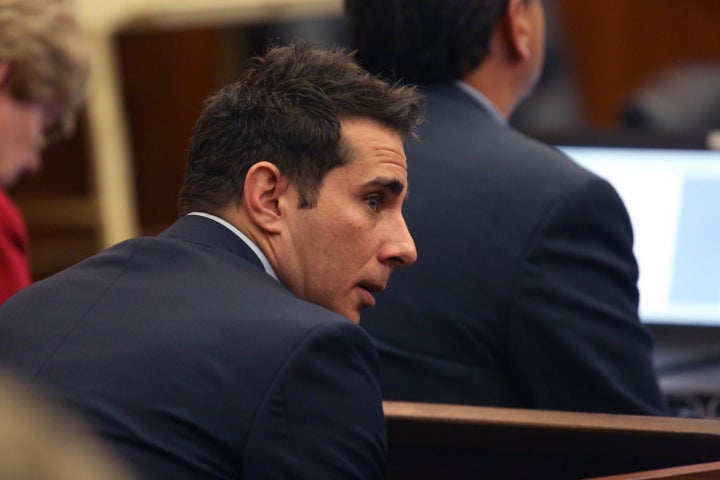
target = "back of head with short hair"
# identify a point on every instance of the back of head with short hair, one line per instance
(286, 109)
(422, 41)
(43, 44)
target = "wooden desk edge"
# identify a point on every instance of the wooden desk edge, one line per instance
(697, 471)
(544, 419)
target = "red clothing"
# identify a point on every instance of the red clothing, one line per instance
(14, 265)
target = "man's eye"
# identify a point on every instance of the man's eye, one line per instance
(373, 202)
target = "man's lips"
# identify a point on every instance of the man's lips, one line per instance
(368, 288)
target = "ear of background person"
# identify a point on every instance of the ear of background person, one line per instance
(555, 104)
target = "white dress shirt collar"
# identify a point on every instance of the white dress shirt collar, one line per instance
(263, 259)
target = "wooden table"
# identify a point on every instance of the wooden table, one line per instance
(465, 442)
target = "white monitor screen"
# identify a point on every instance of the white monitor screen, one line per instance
(673, 199)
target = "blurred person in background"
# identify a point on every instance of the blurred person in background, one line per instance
(43, 73)
(525, 292)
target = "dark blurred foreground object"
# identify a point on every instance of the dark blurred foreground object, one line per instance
(684, 98)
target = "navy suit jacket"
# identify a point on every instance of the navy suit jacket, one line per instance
(192, 362)
(524, 293)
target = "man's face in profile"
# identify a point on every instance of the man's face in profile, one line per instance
(344, 249)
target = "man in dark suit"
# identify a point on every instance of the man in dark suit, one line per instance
(525, 293)
(205, 352)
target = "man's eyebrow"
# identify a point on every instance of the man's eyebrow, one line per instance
(395, 186)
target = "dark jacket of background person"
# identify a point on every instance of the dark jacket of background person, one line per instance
(524, 293)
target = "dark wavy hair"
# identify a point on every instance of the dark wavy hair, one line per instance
(422, 41)
(286, 108)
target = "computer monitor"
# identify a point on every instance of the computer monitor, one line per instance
(673, 198)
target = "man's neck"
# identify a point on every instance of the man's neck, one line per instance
(496, 85)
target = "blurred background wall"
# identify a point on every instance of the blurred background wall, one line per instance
(602, 54)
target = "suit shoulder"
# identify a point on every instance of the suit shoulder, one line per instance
(311, 318)
(464, 132)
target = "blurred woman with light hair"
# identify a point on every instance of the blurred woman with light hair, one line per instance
(43, 72)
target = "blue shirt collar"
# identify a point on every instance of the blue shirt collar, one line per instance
(482, 100)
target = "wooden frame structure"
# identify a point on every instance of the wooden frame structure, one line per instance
(430, 441)
(115, 202)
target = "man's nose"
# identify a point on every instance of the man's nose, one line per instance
(400, 251)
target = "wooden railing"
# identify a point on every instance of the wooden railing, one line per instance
(433, 441)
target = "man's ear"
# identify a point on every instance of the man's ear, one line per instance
(519, 28)
(263, 191)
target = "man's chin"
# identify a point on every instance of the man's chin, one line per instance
(354, 318)
(351, 314)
